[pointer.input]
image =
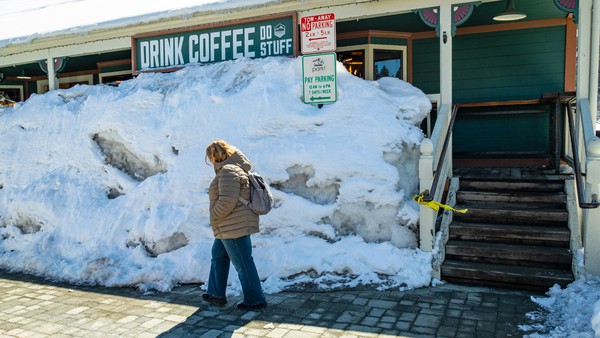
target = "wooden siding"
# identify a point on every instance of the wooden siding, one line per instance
(496, 66)
(352, 42)
(389, 41)
(509, 65)
(426, 65)
(527, 133)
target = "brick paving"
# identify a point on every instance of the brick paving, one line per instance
(34, 307)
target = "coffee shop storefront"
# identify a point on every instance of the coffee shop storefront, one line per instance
(456, 51)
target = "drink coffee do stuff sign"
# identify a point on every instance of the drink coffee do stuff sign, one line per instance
(258, 38)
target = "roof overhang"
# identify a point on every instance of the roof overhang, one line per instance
(98, 40)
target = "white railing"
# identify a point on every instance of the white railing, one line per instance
(435, 167)
(583, 148)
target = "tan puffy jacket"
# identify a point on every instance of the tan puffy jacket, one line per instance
(229, 218)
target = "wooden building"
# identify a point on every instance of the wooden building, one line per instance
(506, 78)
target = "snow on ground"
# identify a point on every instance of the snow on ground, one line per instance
(105, 185)
(570, 312)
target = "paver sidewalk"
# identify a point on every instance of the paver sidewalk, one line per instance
(33, 307)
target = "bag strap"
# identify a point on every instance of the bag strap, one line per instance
(243, 200)
(250, 181)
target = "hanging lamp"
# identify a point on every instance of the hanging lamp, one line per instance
(510, 13)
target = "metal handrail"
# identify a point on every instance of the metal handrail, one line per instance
(426, 194)
(576, 164)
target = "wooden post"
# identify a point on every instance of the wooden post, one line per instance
(446, 15)
(426, 214)
(591, 217)
(52, 83)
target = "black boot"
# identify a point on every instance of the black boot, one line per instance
(214, 300)
(258, 306)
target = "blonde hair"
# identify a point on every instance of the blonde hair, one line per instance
(218, 151)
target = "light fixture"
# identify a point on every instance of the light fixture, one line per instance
(510, 13)
(23, 76)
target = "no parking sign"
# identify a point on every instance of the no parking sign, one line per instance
(317, 33)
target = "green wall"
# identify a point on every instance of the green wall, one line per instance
(497, 66)
(509, 65)
(523, 133)
(426, 65)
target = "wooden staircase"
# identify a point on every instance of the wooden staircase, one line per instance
(515, 233)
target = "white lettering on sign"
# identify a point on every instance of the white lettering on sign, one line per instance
(248, 42)
(266, 32)
(165, 52)
(205, 47)
(214, 46)
(237, 43)
(275, 47)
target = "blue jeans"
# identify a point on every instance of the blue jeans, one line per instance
(239, 252)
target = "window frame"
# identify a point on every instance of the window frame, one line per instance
(369, 52)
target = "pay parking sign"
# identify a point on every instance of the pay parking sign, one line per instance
(319, 78)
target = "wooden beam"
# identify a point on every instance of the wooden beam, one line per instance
(498, 103)
(497, 27)
(570, 55)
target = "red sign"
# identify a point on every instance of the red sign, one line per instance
(318, 33)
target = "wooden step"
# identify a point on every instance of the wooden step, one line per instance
(509, 173)
(515, 233)
(498, 275)
(509, 254)
(511, 185)
(499, 205)
(486, 214)
(557, 198)
(510, 234)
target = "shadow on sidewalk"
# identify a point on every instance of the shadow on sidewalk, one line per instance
(446, 310)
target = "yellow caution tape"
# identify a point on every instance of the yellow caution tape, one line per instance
(436, 205)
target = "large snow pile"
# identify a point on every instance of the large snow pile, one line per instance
(106, 185)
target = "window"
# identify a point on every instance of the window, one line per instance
(354, 61)
(387, 63)
(65, 82)
(14, 93)
(115, 80)
(374, 61)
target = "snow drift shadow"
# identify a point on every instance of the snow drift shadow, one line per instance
(297, 185)
(27, 224)
(119, 156)
(166, 244)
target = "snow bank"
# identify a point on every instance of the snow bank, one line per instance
(570, 312)
(105, 185)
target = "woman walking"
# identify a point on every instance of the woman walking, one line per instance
(232, 223)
